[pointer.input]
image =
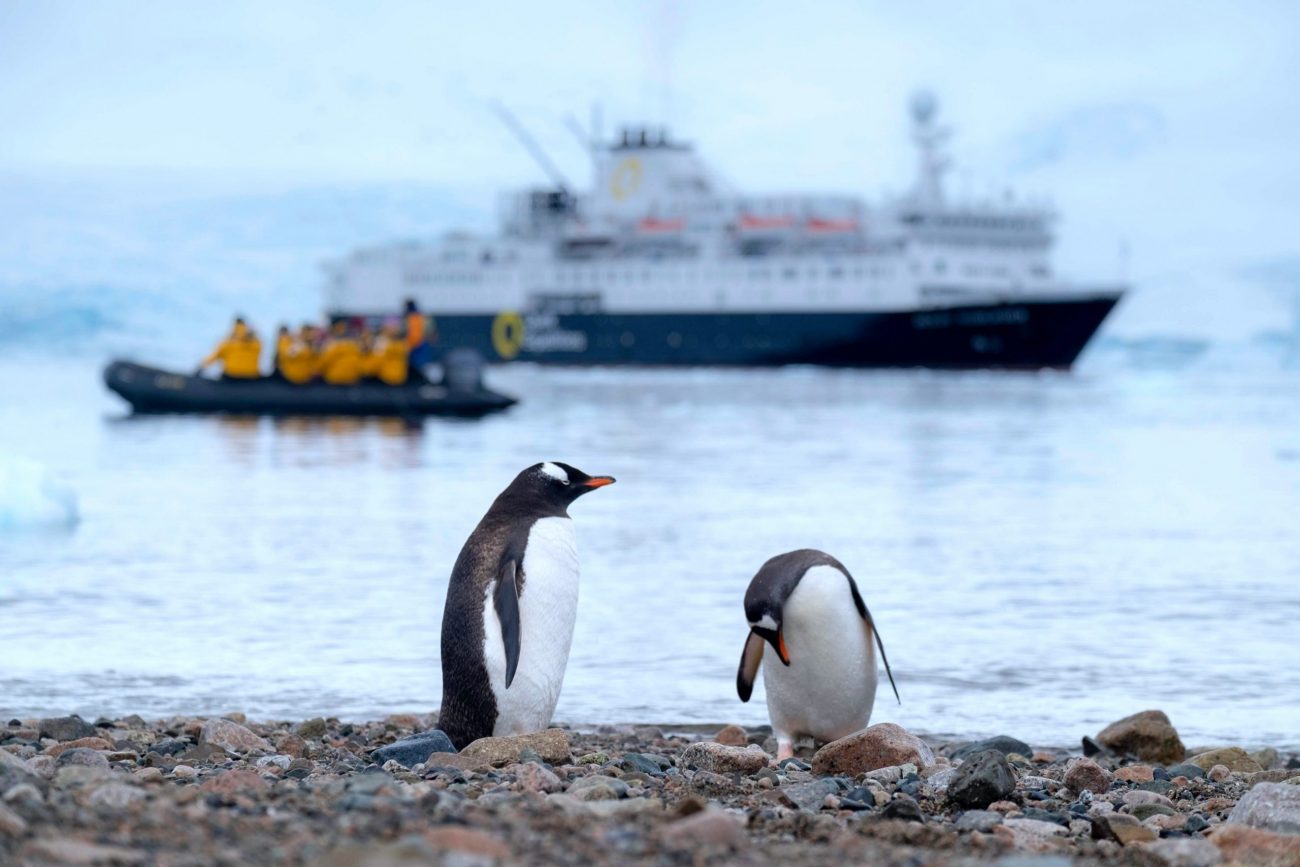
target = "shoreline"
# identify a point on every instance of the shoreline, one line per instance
(224, 790)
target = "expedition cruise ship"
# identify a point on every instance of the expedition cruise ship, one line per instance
(662, 263)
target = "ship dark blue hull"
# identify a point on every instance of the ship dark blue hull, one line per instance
(1022, 335)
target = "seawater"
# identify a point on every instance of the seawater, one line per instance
(1043, 553)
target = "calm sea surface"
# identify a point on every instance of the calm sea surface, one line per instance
(1043, 553)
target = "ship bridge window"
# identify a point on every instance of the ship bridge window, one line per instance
(940, 266)
(836, 272)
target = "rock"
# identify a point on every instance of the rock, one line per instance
(184, 772)
(1271, 806)
(1004, 744)
(1185, 852)
(277, 761)
(1219, 773)
(12, 766)
(410, 751)
(234, 783)
(878, 746)
(1086, 775)
(11, 824)
(597, 758)
(709, 828)
(891, 774)
(147, 775)
(535, 778)
(231, 736)
(981, 779)
(978, 820)
(1033, 835)
(645, 763)
(1277, 775)
(552, 745)
(1120, 828)
(82, 756)
(1136, 774)
(70, 851)
(66, 728)
(1142, 812)
(1148, 735)
(904, 808)
(1233, 758)
(598, 787)
(315, 728)
(456, 761)
(1139, 797)
(723, 759)
(810, 795)
(474, 847)
(936, 785)
(732, 736)
(1265, 758)
(114, 795)
(1188, 770)
(1241, 844)
(88, 743)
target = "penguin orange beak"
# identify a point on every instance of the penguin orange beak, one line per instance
(776, 638)
(599, 481)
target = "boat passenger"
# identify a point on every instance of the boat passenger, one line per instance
(419, 336)
(392, 353)
(340, 362)
(240, 354)
(369, 361)
(283, 341)
(299, 361)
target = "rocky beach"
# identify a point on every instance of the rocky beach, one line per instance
(190, 791)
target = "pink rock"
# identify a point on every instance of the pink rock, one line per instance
(710, 827)
(879, 746)
(722, 759)
(232, 736)
(1240, 844)
(1149, 735)
(235, 782)
(1136, 774)
(1083, 774)
(732, 736)
(1219, 773)
(466, 841)
(535, 778)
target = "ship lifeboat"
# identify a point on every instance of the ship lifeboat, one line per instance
(658, 226)
(764, 223)
(825, 226)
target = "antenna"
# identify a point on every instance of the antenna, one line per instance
(530, 144)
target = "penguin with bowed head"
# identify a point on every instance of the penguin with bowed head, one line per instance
(807, 620)
(511, 607)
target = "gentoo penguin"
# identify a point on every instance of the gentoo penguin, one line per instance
(511, 606)
(804, 610)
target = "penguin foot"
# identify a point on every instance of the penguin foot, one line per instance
(784, 750)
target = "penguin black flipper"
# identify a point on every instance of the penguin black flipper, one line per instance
(505, 599)
(750, 658)
(871, 624)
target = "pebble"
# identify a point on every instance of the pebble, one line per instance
(1184, 769)
(878, 746)
(1004, 744)
(1219, 773)
(978, 820)
(1233, 758)
(1135, 774)
(1241, 844)
(230, 735)
(1120, 828)
(1185, 852)
(1271, 806)
(410, 751)
(82, 756)
(66, 728)
(710, 828)
(1086, 775)
(598, 788)
(552, 745)
(732, 736)
(722, 759)
(184, 772)
(1149, 735)
(982, 779)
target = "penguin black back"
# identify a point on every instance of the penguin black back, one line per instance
(495, 552)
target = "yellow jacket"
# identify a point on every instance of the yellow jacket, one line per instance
(240, 354)
(340, 363)
(298, 362)
(390, 354)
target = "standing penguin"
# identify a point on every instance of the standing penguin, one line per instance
(804, 609)
(511, 605)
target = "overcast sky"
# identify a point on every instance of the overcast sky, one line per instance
(1171, 127)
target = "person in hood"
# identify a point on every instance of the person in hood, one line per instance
(240, 354)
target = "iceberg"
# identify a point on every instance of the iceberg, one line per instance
(30, 497)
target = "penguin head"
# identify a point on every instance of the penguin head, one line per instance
(559, 484)
(767, 626)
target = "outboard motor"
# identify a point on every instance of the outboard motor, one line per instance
(462, 370)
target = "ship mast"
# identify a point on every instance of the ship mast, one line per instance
(930, 138)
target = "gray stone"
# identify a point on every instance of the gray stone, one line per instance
(645, 763)
(1142, 812)
(978, 820)
(598, 787)
(722, 759)
(982, 779)
(412, 750)
(1004, 744)
(1185, 852)
(315, 728)
(1188, 770)
(279, 761)
(710, 828)
(1271, 806)
(811, 795)
(82, 756)
(66, 728)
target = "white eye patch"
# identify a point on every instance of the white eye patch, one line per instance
(555, 472)
(766, 623)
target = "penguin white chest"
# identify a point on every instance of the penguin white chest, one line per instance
(830, 685)
(548, 607)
